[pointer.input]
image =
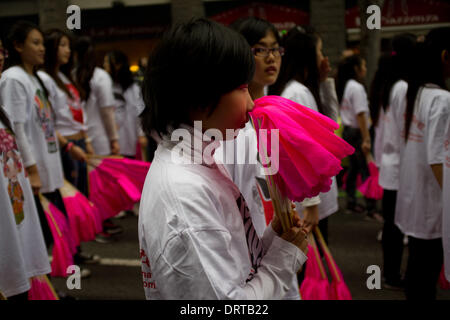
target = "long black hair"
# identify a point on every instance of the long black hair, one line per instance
(120, 69)
(202, 60)
(347, 71)
(18, 35)
(86, 64)
(300, 62)
(429, 69)
(393, 66)
(52, 39)
(254, 29)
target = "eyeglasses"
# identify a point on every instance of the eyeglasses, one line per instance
(264, 52)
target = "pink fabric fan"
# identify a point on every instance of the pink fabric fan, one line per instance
(41, 289)
(315, 285)
(84, 217)
(443, 282)
(338, 289)
(64, 246)
(116, 184)
(310, 153)
(371, 188)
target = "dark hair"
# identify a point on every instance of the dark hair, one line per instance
(4, 119)
(84, 49)
(300, 62)
(393, 66)
(120, 69)
(428, 69)
(346, 71)
(18, 34)
(52, 41)
(254, 29)
(193, 65)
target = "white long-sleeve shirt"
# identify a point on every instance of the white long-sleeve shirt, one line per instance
(192, 237)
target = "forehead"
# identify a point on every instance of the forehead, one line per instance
(269, 40)
(34, 34)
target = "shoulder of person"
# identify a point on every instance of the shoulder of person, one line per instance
(46, 78)
(16, 73)
(355, 85)
(440, 100)
(101, 76)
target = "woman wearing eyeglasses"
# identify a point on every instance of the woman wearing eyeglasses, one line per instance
(246, 171)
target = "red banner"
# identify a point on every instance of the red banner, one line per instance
(405, 12)
(281, 16)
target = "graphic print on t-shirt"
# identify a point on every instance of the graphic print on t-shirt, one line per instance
(43, 111)
(254, 244)
(12, 165)
(75, 103)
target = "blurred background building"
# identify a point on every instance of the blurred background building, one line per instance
(134, 25)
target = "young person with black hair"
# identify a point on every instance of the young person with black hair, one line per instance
(304, 79)
(354, 110)
(196, 236)
(96, 90)
(64, 98)
(388, 94)
(418, 211)
(25, 98)
(129, 103)
(22, 247)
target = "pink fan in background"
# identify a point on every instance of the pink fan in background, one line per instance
(84, 217)
(41, 289)
(116, 183)
(370, 188)
(310, 153)
(64, 246)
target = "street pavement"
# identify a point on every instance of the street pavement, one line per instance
(352, 242)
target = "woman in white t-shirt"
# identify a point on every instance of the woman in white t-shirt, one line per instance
(304, 79)
(23, 254)
(128, 103)
(418, 211)
(354, 111)
(70, 118)
(388, 95)
(96, 91)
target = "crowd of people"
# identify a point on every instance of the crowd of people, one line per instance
(203, 227)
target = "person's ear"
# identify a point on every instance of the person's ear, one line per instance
(18, 46)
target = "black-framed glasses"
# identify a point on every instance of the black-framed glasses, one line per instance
(264, 52)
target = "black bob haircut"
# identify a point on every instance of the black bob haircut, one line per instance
(193, 65)
(254, 29)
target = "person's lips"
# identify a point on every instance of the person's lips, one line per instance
(271, 70)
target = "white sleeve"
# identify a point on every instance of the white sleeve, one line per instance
(14, 100)
(103, 88)
(201, 261)
(438, 117)
(23, 145)
(109, 121)
(309, 202)
(359, 100)
(329, 98)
